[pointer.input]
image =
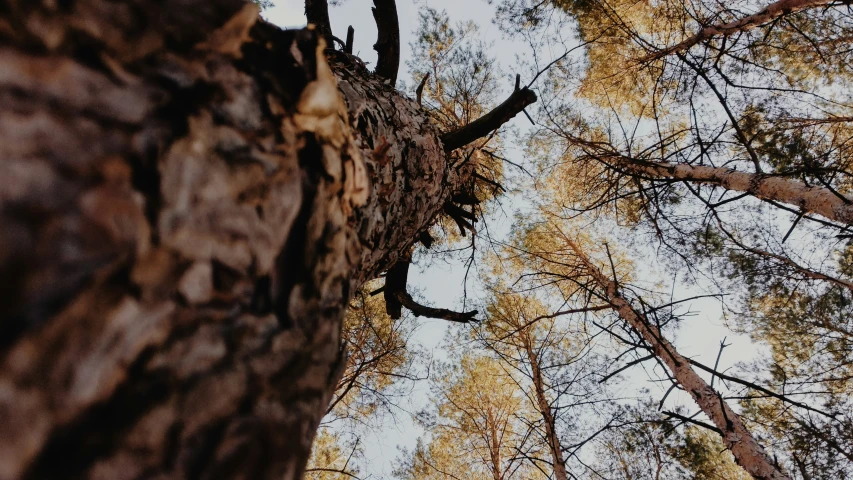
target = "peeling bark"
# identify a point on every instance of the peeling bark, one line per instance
(766, 15)
(748, 453)
(189, 197)
(818, 200)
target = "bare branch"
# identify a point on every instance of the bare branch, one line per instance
(766, 15)
(420, 91)
(493, 120)
(317, 13)
(388, 39)
(440, 313)
(694, 422)
(350, 39)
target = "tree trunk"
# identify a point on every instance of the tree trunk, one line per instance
(747, 452)
(187, 203)
(545, 409)
(820, 200)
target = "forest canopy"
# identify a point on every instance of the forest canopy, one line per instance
(543, 239)
(686, 161)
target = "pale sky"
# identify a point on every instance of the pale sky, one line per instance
(699, 336)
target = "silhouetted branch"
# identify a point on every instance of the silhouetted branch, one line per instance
(395, 281)
(420, 90)
(350, 39)
(388, 39)
(627, 366)
(317, 13)
(440, 313)
(759, 388)
(694, 422)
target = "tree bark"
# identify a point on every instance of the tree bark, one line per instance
(544, 408)
(747, 452)
(820, 200)
(189, 196)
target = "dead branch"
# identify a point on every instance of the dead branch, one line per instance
(512, 106)
(397, 297)
(420, 90)
(317, 13)
(440, 313)
(388, 39)
(395, 282)
(350, 39)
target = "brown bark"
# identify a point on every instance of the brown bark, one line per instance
(186, 205)
(747, 451)
(544, 408)
(820, 200)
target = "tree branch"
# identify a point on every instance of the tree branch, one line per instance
(397, 297)
(388, 39)
(317, 13)
(440, 313)
(694, 422)
(766, 15)
(493, 120)
(350, 39)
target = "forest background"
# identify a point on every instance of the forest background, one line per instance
(403, 422)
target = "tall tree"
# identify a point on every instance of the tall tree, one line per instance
(477, 427)
(559, 375)
(185, 212)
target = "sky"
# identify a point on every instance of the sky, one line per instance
(441, 284)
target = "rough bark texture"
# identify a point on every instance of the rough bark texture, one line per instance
(818, 200)
(748, 453)
(766, 15)
(187, 202)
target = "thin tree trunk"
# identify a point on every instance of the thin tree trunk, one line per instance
(766, 15)
(184, 212)
(747, 452)
(819, 200)
(494, 446)
(545, 409)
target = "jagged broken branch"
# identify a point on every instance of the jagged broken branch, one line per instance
(512, 106)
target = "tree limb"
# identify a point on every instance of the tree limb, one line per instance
(397, 297)
(767, 14)
(317, 13)
(388, 39)
(440, 313)
(694, 422)
(493, 120)
(350, 39)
